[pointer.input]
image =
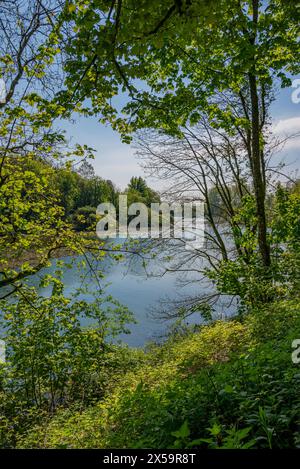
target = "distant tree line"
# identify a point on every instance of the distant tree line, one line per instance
(81, 191)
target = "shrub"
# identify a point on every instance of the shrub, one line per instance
(231, 385)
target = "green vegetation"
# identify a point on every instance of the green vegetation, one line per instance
(229, 385)
(81, 193)
(199, 78)
(202, 63)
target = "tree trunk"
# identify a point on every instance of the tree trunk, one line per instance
(256, 156)
(258, 174)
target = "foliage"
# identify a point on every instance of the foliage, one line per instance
(181, 61)
(31, 218)
(84, 218)
(231, 385)
(50, 354)
(138, 191)
(33, 225)
(161, 44)
(182, 64)
(51, 359)
(243, 277)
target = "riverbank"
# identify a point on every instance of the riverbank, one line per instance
(32, 258)
(231, 385)
(13, 261)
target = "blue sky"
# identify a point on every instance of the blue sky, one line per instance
(116, 161)
(113, 159)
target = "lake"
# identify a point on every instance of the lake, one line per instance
(140, 292)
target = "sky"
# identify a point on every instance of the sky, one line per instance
(285, 113)
(116, 161)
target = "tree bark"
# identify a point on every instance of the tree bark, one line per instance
(258, 174)
(256, 157)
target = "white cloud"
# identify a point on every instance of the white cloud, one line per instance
(287, 126)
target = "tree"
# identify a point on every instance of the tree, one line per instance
(138, 191)
(32, 224)
(67, 183)
(85, 218)
(29, 214)
(138, 184)
(211, 165)
(51, 359)
(86, 170)
(194, 57)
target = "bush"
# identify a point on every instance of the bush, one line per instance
(84, 218)
(231, 385)
(52, 361)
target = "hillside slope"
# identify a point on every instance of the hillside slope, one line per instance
(232, 384)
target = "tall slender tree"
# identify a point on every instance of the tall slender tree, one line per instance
(179, 59)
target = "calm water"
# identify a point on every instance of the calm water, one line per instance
(142, 294)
